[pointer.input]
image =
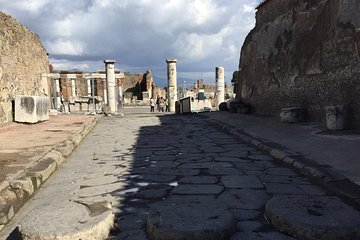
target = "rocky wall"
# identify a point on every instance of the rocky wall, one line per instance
(22, 61)
(307, 56)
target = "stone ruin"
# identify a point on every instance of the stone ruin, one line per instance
(23, 65)
(25, 72)
(303, 53)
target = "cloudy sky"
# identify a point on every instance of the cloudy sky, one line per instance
(140, 34)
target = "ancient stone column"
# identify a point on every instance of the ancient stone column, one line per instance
(89, 87)
(220, 91)
(105, 99)
(110, 83)
(172, 83)
(58, 94)
(73, 88)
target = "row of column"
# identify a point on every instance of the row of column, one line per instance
(110, 99)
(172, 84)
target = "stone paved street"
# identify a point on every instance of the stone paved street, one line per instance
(177, 177)
(186, 160)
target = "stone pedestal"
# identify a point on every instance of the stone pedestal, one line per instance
(292, 115)
(220, 90)
(336, 117)
(172, 83)
(31, 109)
(110, 83)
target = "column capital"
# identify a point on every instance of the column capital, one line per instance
(171, 60)
(109, 61)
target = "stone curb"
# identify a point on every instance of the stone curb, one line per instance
(326, 177)
(20, 189)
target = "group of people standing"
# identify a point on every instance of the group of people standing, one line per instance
(162, 104)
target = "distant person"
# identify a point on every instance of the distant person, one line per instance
(157, 103)
(161, 104)
(119, 102)
(166, 105)
(65, 106)
(152, 105)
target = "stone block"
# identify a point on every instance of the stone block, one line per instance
(234, 105)
(336, 117)
(31, 109)
(292, 115)
(240, 107)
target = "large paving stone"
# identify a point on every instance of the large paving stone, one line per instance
(153, 192)
(223, 171)
(315, 217)
(280, 171)
(205, 165)
(248, 166)
(200, 218)
(198, 189)
(295, 189)
(284, 179)
(132, 235)
(153, 178)
(179, 172)
(131, 222)
(232, 159)
(241, 181)
(198, 180)
(244, 214)
(251, 199)
(164, 164)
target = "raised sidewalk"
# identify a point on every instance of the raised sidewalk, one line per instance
(331, 158)
(30, 153)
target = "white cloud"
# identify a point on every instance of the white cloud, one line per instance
(64, 64)
(201, 34)
(65, 47)
(31, 6)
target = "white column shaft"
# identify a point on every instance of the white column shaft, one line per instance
(110, 83)
(89, 87)
(172, 83)
(220, 88)
(73, 88)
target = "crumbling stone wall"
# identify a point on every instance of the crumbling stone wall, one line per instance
(135, 84)
(307, 55)
(269, 10)
(22, 61)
